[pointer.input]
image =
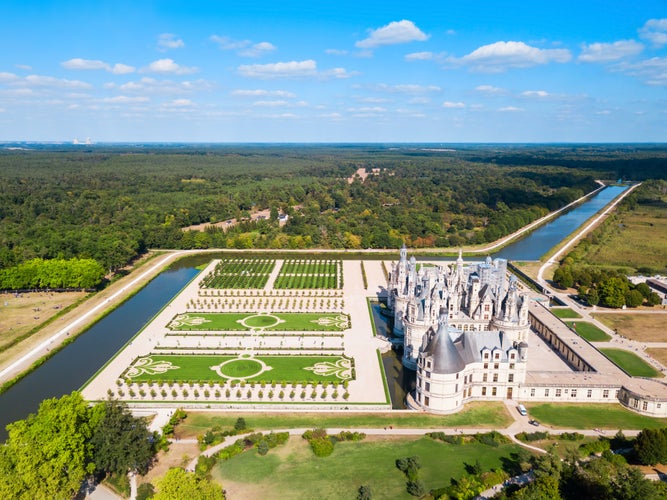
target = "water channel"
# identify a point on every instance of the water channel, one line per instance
(70, 368)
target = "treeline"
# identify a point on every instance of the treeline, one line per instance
(604, 287)
(112, 203)
(52, 274)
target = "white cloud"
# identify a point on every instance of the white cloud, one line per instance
(605, 52)
(419, 100)
(49, 81)
(263, 93)
(167, 41)
(395, 32)
(655, 31)
(78, 63)
(408, 88)
(333, 116)
(122, 69)
(152, 86)
(290, 69)
(271, 104)
(453, 105)
(7, 77)
(335, 52)
(653, 71)
(258, 49)
(180, 103)
(122, 99)
(244, 48)
(168, 66)
(500, 56)
(490, 89)
(419, 56)
(510, 109)
(535, 93)
(94, 64)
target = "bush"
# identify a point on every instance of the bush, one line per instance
(593, 447)
(145, 491)
(322, 447)
(204, 466)
(262, 447)
(416, 488)
(240, 424)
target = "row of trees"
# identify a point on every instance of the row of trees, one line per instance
(54, 274)
(51, 453)
(608, 288)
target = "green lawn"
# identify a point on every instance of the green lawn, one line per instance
(292, 369)
(482, 414)
(630, 362)
(565, 313)
(589, 331)
(287, 322)
(296, 473)
(590, 416)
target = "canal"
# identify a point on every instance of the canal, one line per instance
(70, 368)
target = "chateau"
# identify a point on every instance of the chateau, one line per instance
(464, 330)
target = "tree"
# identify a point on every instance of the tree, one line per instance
(178, 485)
(634, 298)
(651, 446)
(612, 292)
(364, 492)
(240, 424)
(653, 299)
(592, 297)
(120, 441)
(50, 450)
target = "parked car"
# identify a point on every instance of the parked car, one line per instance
(534, 422)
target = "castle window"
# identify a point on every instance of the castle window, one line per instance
(573, 394)
(510, 377)
(605, 393)
(487, 307)
(484, 377)
(546, 393)
(645, 406)
(512, 355)
(493, 391)
(616, 394)
(557, 393)
(486, 355)
(495, 377)
(483, 391)
(511, 366)
(495, 366)
(428, 386)
(426, 400)
(589, 393)
(496, 355)
(486, 366)
(532, 393)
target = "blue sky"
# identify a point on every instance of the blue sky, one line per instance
(364, 71)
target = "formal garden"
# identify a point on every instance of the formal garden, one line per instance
(245, 366)
(310, 274)
(296, 322)
(239, 274)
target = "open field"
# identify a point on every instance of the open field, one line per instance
(639, 327)
(22, 313)
(292, 369)
(239, 274)
(630, 362)
(293, 322)
(564, 313)
(588, 331)
(296, 473)
(634, 239)
(475, 415)
(659, 355)
(590, 416)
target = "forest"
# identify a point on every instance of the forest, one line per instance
(111, 203)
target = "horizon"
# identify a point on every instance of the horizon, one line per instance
(358, 72)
